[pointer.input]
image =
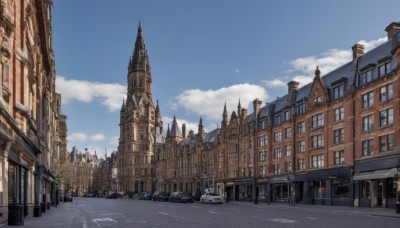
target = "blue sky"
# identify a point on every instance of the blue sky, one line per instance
(202, 53)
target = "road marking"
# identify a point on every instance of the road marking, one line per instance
(234, 209)
(163, 213)
(282, 220)
(214, 212)
(112, 214)
(195, 207)
(104, 220)
(313, 218)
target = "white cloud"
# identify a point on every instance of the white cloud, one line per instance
(237, 71)
(97, 137)
(304, 68)
(109, 95)
(78, 137)
(210, 103)
(273, 83)
(114, 141)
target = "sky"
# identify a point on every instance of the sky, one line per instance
(202, 53)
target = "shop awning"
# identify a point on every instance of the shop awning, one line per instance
(377, 174)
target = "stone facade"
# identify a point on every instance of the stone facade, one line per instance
(330, 142)
(105, 176)
(140, 123)
(29, 109)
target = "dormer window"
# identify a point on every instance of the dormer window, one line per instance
(365, 77)
(300, 108)
(287, 115)
(384, 69)
(338, 91)
(278, 119)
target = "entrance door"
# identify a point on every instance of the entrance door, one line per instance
(380, 193)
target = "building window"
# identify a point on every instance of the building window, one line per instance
(276, 169)
(261, 124)
(339, 114)
(317, 161)
(277, 152)
(301, 145)
(386, 92)
(288, 133)
(367, 123)
(301, 127)
(340, 188)
(263, 155)
(317, 120)
(367, 147)
(300, 164)
(262, 170)
(317, 100)
(277, 136)
(278, 119)
(391, 187)
(300, 109)
(338, 136)
(384, 69)
(317, 141)
(338, 157)
(262, 140)
(338, 91)
(288, 150)
(365, 189)
(367, 99)
(288, 167)
(386, 117)
(287, 115)
(385, 143)
(365, 77)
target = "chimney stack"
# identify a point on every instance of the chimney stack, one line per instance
(184, 130)
(292, 86)
(256, 106)
(392, 29)
(358, 50)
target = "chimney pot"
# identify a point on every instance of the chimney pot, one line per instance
(392, 29)
(358, 50)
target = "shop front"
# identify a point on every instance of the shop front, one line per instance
(377, 181)
(325, 187)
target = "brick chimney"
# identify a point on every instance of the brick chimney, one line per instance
(358, 50)
(184, 130)
(191, 132)
(292, 86)
(392, 29)
(256, 106)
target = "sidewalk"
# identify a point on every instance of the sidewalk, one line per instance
(65, 215)
(383, 212)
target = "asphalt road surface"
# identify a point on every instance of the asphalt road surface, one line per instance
(99, 212)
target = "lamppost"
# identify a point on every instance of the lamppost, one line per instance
(398, 191)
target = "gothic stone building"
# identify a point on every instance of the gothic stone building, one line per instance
(333, 141)
(29, 111)
(140, 122)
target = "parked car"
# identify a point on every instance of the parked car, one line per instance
(180, 197)
(146, 196)
(112, 195)
(67, 198)
(211, 197)
(160, 196)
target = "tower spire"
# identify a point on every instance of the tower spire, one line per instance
(140, 60)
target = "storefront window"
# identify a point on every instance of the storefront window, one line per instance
(391, 188)
(365, 189)
(340, 188)
(319, 189)
(12, 176)
(280, 191)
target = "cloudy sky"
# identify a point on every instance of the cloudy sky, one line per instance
(203, 54)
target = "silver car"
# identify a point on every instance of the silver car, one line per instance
(211, 198)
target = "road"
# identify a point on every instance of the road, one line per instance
(98, 212)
